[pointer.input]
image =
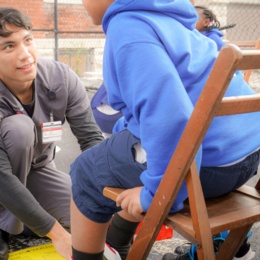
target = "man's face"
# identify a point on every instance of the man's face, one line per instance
(18, 59)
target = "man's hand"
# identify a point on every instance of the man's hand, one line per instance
(61, 240)
(129, 200)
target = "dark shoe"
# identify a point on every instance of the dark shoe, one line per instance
(245, 252)
(4, 248)
(172, 256)
(187, 251)
(182, 252)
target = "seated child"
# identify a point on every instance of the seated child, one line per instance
(209, 25)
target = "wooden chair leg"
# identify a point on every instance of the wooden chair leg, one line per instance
(232, 243)
(199, 215)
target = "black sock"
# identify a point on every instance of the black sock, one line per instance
(77, 255)
(120, 235)
(243, 249)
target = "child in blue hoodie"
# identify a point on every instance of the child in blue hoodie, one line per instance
(209, 25)
(154, 72)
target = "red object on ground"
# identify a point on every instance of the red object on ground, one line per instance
(165, 232)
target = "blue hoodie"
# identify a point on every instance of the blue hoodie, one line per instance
(216, 35)
(155, 65)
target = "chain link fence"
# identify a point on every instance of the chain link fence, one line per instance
(63, 31)
(243, 15)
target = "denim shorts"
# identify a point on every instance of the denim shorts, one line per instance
(218, 181)
(110, 163)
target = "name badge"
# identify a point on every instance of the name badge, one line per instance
(51, 132)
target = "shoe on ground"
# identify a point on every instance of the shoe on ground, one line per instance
(182, 249)
(172, 256)
(4, 248)
(110, 253)
(186, 252)
(181, 252)
(250, 255)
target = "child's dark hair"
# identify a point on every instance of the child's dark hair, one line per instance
(13, 16)
(214, 23)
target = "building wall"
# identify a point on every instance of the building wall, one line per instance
(71, 17)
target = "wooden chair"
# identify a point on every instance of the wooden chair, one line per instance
(201, 219)
(247, 44)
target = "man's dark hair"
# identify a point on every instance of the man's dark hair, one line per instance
(13, 16)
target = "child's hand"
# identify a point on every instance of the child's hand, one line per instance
(129, 200)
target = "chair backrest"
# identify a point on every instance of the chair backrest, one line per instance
(182, 163)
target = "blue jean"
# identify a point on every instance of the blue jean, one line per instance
(217, 181)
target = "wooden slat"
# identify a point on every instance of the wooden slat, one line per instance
(220, 222)
(250, 44)
(247, 216)
(250, 191)
(238, 105)
(111, 192)
(249, 72)
(250, 61)
(200, 218)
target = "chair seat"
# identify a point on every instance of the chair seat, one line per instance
(240, 206)
(229, 210)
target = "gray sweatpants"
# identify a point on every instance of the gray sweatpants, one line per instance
(50, 187)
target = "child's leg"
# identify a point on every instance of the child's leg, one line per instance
(87, 235)
(110, 163)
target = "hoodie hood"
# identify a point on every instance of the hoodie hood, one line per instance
(181, 10)
(215, 31)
